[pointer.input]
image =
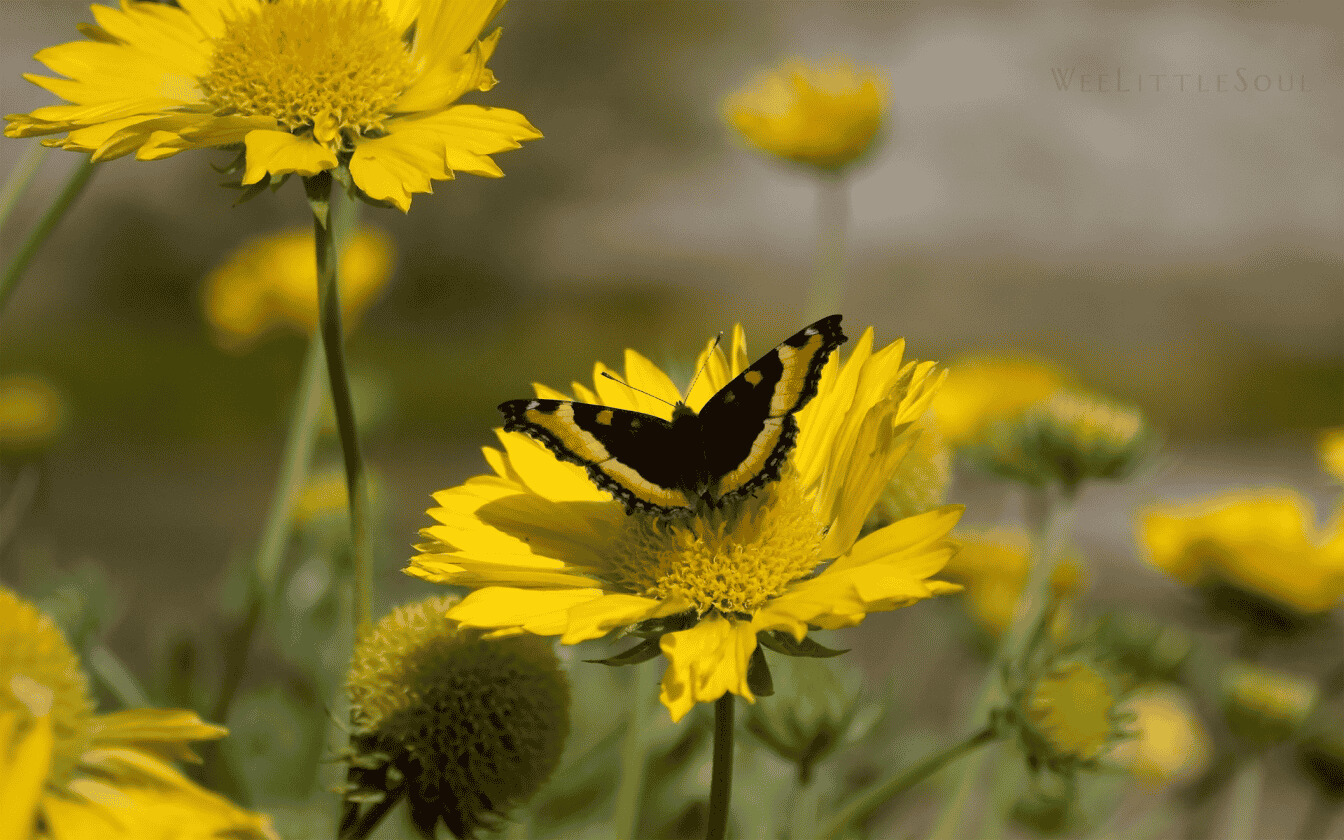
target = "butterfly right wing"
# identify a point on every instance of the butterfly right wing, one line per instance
(637, 458)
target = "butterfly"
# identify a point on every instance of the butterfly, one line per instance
(735, 445)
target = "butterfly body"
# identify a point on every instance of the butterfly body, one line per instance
(736, 444)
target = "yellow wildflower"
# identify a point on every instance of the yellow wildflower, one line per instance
(32, 412)
(1330, 448)
(549, 553)
(993, 565)
(81, 774)
(1169, 744)
(982, 392)
(1263, 542)
(1070, 714)
(301, 86)
(921, 481)
(273, 281)
(822, 116)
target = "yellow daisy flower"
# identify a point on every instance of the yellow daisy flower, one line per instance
(1169, 744)
(32, 413)
(982, 392)
(993, 566)
(304, 86)
(1262, 541)
(1330, 448)
(273, 282)
(71, 774)
(825, 117)
(549, 553)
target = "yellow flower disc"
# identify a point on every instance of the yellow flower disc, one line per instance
(1073, 710)
(31, 412)
(475, 725)
(335, 68)
(39, 673)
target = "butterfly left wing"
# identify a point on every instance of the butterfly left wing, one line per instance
(748, 427)
(642, 460)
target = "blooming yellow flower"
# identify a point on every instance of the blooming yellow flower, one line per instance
(548, 553)
(982, 392)
(921, 481)
(273, 282)
(82, 775)
(825, 117)
(303, 86)
(1262, 541)
(1071, 714)
(1331, 451)
(1168, 744)
(32, 412)
(993, 565)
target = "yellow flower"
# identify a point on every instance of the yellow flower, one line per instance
(993, 565)
(982, 392)
(548, 553)
(32, 412)
(1331, 451)
(1168, 744)
(825, 117)
(1262, 542)
(1264, 705)
(273, 281)
(1071, 714)
(303, 86)
(921, 481)
(83, 775)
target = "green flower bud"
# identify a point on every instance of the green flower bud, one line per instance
(1266, 707)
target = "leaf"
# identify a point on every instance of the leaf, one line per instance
(758, 675)
(781, 642)
(642, 652)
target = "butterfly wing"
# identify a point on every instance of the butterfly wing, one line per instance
(748, 426)
(642, 460)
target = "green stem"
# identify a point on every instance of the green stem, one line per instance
(866, 805)
(1316, 822)
(117, 678)
(332, 212)
(625, 819)
(38, 235)
(363, 825)
(721, 778)
(19, 179)
(1245, 795)
(1027, 626)
(828, 289)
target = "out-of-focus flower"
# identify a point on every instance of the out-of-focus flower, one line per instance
(822, 116)
(920, 482)
(272, 282)
(982, 392)
(32, 413)
(1067, 439)
(299, 86)
(1330, 449)
(1069, 715)
(993, 567)
(1266, 706)
(1169, 744)
(549, 553)
(82, 775)
(1320, 751)
(1262, 542)
(471, 726)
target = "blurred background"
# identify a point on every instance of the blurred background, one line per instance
(1180, 248)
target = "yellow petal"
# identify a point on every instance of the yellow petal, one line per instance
(705, 662)
(544, 612)
(391, 168)
(280, 153)
(25, 757)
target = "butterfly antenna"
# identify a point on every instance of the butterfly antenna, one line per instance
(717, 339)
(633, 388)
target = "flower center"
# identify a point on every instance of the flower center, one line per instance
(331, 67)
(40, 674)
(732, 561)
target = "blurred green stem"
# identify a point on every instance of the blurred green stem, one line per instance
(333, 215)
(1320, 814)
(630, 787)
(19, 179)
(867, 804)
(828, 284)
(117, 678)
(1245, 804)
(721, 778)
(1053, 521)
(74, 185)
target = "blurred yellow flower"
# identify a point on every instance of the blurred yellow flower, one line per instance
(981, 392)
(549, 553)
(84, 775)
(301, 86)
(993, 565)
(1071, 714)
(32, 412)
(1331, 452)
(920, 482)
(1265, 705)
(1169, 743)
(272, 282)
(1263, 542)
(823, 116)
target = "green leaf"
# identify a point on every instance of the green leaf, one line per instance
(642, 652)
(781, 642)
(758, 675)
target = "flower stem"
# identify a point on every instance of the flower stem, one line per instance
(118, 679)
(867, 804)
(1245, 795)
(721, 778)
(1316, 822)
(332, 213)
(74, 185)
(629, 791)
(19, 179)
(828, 289)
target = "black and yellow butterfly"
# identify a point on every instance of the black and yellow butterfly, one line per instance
(735, 445)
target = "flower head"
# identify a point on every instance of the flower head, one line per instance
(1330, 448)
(1262, 543)
(982, 392)
(32, 412)
(921, 481)
(1169, 744)
(822, 116)
(549, 553)
(1069, 715)
(302, 86)
(273, 282)
(1265, 706)
(81, 774)
(471, 726)
(992, 566)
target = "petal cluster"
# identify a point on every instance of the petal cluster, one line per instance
(303, 86)
(548, 553)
